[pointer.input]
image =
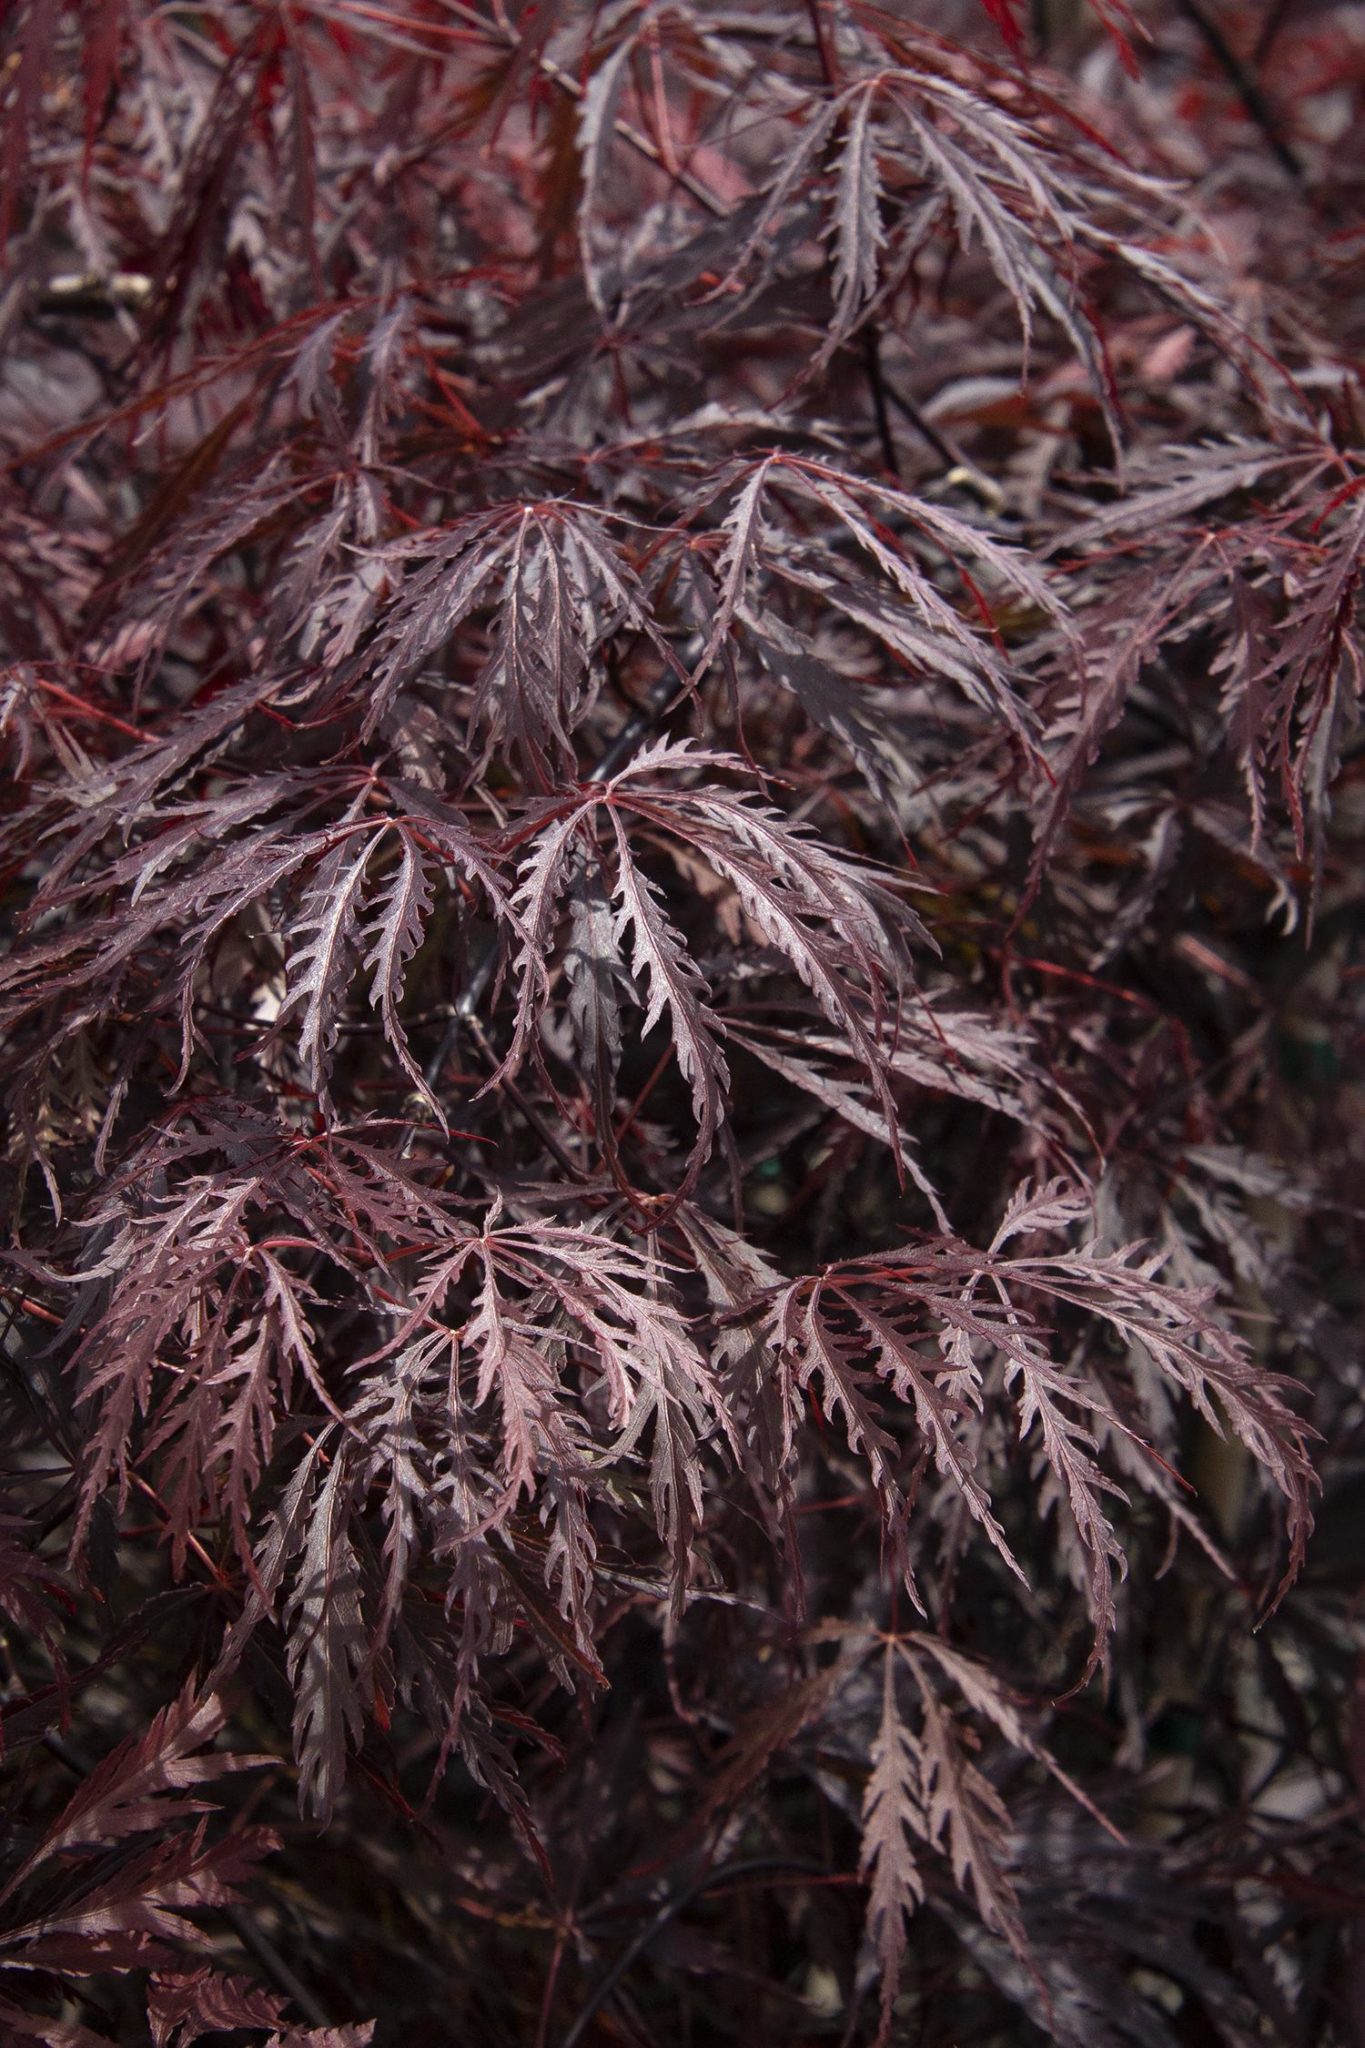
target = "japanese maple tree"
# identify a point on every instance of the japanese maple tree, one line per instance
(682, 1022)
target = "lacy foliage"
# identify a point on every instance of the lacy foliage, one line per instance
(682, 690)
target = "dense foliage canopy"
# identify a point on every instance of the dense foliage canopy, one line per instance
(682, 1022)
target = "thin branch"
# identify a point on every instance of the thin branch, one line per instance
(877, 386)
(641, 143)
(668, 1912)
(1244, 85)
(1270, 28)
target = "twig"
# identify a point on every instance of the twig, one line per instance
(947, 454)
(526, 1110)
(959, 470)
(629, 133)
(872, 365)
(258, 1942)
(1244, 85)
(1270, 28)
(670, 1910)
